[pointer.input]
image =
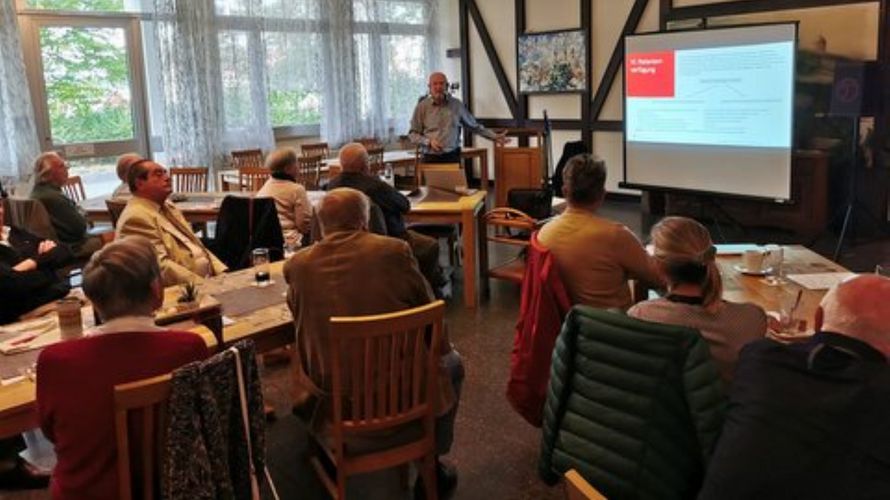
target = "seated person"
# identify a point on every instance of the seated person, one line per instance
(809, 419)
(685, 256)
(28, 267)
(124, 162)
(69, 222)
(595, 256)
(322, 283)
(75, 399)
(291, 201)
(357, 175)
(181, 255)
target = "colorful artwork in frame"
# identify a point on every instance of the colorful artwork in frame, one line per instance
(554, 61)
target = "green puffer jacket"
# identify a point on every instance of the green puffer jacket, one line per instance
(634, 406)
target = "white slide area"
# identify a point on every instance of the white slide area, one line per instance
(711, 110)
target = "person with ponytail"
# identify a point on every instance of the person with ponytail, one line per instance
(685, 256)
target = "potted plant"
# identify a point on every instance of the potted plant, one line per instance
(188, 296)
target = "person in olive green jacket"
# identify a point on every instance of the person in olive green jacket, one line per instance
(69, 222)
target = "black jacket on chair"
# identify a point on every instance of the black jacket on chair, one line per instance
(21, 291)
(570, 149)
(244, 224)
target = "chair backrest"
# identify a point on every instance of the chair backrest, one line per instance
(245, 223)
(384, 370)
(73, 188)
(375, 159)
(367, 142)
(511, 226)
(189, 179)
(115, 208)
(247, 158)
(315, 148)
(31, 215)
(577, 488)
(309, 171)
(140, 410)
(659, 425)
(252, 178)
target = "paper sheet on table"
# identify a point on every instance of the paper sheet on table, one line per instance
(819, 281)
(29, 335)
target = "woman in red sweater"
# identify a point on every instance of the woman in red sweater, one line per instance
(76, 378)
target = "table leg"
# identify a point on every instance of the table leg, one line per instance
(482, 233)
(468, 219)
(483, 165)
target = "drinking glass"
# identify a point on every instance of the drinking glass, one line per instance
(260, 260)
(789, 311)
(775, 261)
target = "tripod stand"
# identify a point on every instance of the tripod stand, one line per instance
(853, 204)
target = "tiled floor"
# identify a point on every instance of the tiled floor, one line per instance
(495, 450)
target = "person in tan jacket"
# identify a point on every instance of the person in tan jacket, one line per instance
(181, 255)
(596, 256)
(352, 272)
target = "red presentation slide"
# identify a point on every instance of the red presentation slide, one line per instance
(650, 74)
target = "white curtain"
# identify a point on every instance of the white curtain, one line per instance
(377, 56)
(18, 134)
(198, 129)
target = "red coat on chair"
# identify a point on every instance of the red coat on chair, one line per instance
(545, 303)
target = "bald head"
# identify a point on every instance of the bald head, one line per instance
(438, 85)
(858, 308)
(344, 209)
(124, 162)
(354, 158)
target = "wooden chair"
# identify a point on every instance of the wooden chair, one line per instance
(509, 227)
(115, 208)
(189, 179)
(577, 488)
(315, 148)
(422, 168)
(247, 158)
(73, 188)
(384, 372)
(375, 159)
(309, 171)
(252, 178)
(138, 466)
(368, 142)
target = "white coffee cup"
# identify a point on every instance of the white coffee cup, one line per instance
(752, 260)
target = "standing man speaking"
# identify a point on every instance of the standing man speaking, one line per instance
(435, 125)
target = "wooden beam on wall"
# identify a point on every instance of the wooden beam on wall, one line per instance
(615, 62)
(493, 58)
(465, 77)
(587, 95)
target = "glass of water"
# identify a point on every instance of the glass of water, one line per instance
(775, 262)
(260, 260)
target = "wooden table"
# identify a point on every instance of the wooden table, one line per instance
(260, 314)
(468, 212)
(797, 260)
(196, 207)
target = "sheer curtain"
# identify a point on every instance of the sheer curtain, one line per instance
(18, 134)
(201, 126)
(377, 56)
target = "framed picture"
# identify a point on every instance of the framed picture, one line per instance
(553, 61)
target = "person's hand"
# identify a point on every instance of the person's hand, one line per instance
(25, 265)
(501, 138)
(45, 246)
(435, 145)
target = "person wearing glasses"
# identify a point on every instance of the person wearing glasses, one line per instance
(182, 256)
(69, 222)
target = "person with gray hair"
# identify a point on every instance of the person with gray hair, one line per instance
(394, 205)
(75, 388)
(124, 162)
(595, 256)
(809, 419)
(352, 272)
(291, 200)
(68, 220)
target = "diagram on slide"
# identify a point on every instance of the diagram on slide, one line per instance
(723, 96)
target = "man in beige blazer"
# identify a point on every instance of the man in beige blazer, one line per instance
(181, 255)
(352, 272)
